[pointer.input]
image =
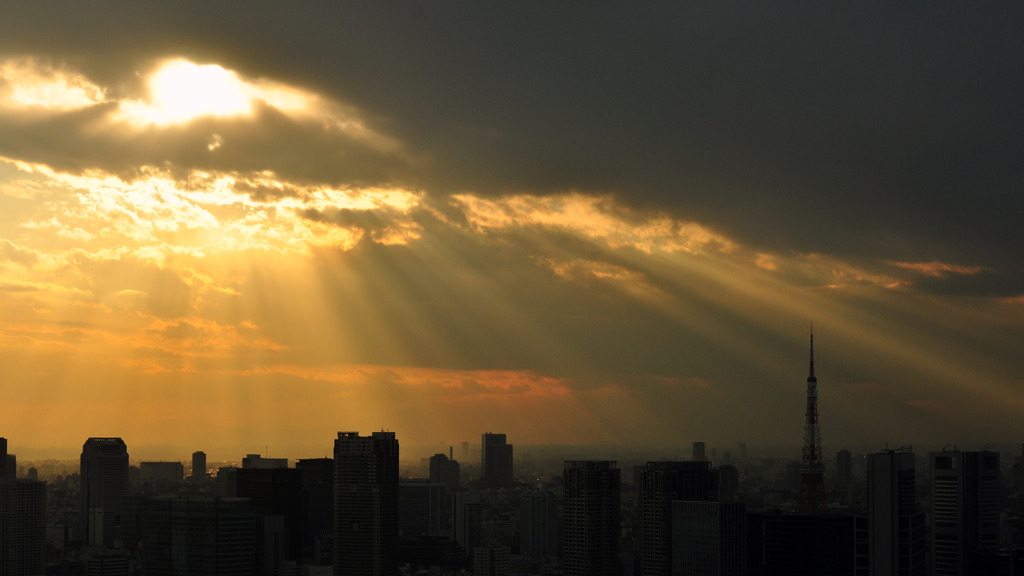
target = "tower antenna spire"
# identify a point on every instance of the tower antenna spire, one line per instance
(812, 350)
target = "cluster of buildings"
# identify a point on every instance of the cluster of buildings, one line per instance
(354, 514)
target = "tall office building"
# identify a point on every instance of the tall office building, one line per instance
(198, 536)
(199, 466)
(660, 484)
(965, 507)
(699, 454)
(318, 494)
(496, 461)
(538, 526)
(22, 527)
(897, 532)
(467, 521)
(728, 483)
(844, 468)
(591, 515)
(275, 495)
(445, 471)
(709, 538)
(365, 504)
(8, 464)
(104, 478)
(423, 510)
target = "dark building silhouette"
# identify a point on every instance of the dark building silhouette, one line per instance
(104, 478)
(492, 561)
(467, 521)
(423, 509)
(258, 461)
(199, 466)
(22, 527)
(193, 536)
(844, 468)
(444, 470)
(318, 508)
(996, 562)
(275, 495)
(897, 532)
(538, 526)
(366, 504)
(166, 471)
(709, 538)
(800, 544)
(965, 508)
(107, 564)
(812, 470)
(728, 480)
(439, 551)
(699, 454)
(591, 515)
(496, 461)
(8, 463)
(660, 484)
(226, 484)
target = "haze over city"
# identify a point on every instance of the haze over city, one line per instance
(241, 227)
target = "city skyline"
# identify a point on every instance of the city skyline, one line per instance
(247, 225)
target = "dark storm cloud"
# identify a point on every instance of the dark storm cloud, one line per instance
(869, 130)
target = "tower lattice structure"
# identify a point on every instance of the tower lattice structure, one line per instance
(812, 470)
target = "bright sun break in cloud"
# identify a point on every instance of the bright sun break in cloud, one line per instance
(181, 91)
(175, 92)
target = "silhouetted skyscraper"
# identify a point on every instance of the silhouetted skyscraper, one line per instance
(591, 513)
(965, 507)
(423, 509)
(496, 461)
(538, 526)
(467, 521)
(661, 483)
(22, 527)
(104, 478)
(6, 469)
(275, 495)
(844, 468)
(318, 490)
(365, 504)
(709, 538)
(896, 530)
(198, 465)
(812, 471)
(445, 471)
(728, 483)
(699, 452)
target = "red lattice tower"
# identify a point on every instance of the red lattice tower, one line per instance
(812, 470)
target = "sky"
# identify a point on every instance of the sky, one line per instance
(244, 226)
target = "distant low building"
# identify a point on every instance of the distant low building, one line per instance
(257, 461)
